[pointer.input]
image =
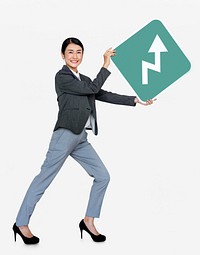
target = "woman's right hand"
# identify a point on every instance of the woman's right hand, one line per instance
(110, 52)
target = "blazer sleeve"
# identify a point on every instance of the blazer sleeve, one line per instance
(113, 98)
(67, 83)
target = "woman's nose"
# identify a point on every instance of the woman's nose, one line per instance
(75, 55)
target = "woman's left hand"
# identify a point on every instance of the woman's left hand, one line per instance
(148, 102)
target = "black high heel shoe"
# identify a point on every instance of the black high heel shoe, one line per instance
(95, 238)
(27, 240)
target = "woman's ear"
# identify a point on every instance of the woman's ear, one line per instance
(63, 57)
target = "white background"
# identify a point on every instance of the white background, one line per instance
(152, 153)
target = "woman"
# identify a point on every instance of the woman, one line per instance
(77, 113)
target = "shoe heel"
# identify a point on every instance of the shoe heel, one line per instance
(15, 236)
(81, 233)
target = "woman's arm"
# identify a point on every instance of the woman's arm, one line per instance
(113, 98)
(66, 83)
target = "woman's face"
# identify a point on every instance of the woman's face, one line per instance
(73, 56)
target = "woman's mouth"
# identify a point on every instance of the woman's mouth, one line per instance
(74, 61)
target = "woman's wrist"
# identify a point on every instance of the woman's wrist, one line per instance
(105, 66)
(136, 100)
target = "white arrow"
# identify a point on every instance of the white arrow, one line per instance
(157, 47)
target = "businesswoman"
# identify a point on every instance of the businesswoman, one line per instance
(76, 95)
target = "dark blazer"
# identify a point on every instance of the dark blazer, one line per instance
(76, 99)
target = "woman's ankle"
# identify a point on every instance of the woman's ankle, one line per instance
(89, 220)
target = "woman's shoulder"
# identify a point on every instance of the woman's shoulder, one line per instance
(64, 70)
(64, 73)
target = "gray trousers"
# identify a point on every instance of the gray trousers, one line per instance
(64, 143)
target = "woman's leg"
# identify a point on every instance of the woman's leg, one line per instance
(85, 154)
(62, 143)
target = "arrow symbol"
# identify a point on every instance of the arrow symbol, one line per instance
(157, 47)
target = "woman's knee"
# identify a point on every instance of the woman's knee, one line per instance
(104, 178)
(108, 178)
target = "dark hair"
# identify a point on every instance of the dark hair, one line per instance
(71, 40)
